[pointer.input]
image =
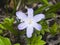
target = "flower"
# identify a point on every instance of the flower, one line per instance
(29, 22)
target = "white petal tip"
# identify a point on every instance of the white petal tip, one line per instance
(42, 16)
(22, 26)
(39, 28)
(29, 36)
(19, 27)
(18, 14)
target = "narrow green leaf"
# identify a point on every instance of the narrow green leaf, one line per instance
(39, 10)
(50, 15)
(1, 31)
(34, 1)
(45, 2)
(53, 8)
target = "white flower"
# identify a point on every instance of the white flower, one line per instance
(29, 22)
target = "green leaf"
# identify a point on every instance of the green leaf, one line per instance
(45, 2)
(1, 31)
(53, 29)
(5, 41)
(17, 44)
(41, 42)
(42, 32)
(9, 21)
(2, 27)
(1, 42)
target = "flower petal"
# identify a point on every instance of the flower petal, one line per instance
(37, 26)
(21, 15)
(38, 17)
(30, 12)
(29, 31)
(22, 26)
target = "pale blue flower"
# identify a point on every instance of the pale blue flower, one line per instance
(29, 22)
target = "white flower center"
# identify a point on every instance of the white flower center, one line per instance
(29, 21)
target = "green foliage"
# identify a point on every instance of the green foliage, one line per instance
(39, 10)
(53, 8)
(51, 15)
(44, 27)
(53, 29)
(50, 12)
(4, 41)
(36, 40)
(7, 24)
